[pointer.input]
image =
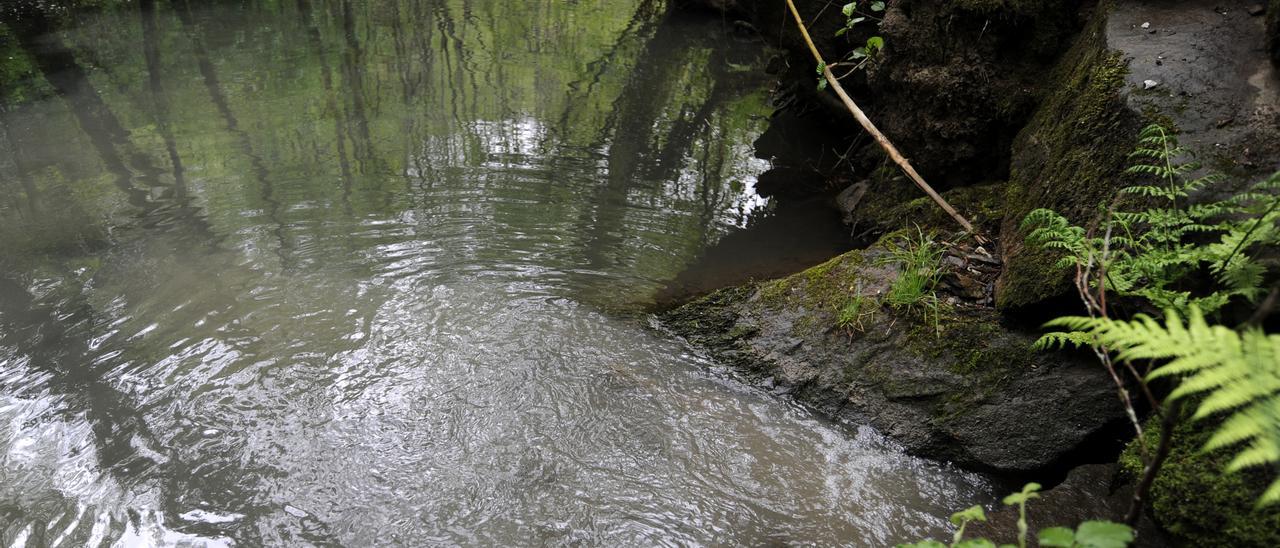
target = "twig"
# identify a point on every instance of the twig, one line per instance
(888, 147)
(1084, 273)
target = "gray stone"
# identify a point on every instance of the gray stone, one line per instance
(975, 394)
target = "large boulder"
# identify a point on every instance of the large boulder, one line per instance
(1196, 68)
(956, 385)
(1068, 158)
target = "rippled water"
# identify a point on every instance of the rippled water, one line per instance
(344, 273)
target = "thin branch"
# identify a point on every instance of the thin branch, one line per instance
(1084, 274)
(888, 147)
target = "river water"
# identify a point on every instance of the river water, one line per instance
(326, 272)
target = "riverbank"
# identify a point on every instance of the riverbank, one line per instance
(1007, 107)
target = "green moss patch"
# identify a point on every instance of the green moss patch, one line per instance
(1199, 504)
(1068, 158)
(826, 287)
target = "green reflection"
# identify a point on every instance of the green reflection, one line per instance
(608, 137)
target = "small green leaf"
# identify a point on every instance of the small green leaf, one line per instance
(1028, 492)
(923, 544)
(1057, 537)
(878, 5)
(822, 67)
(822, 84)
(842, 31)
(859, 53)
(1103, 534)
(875, 43)
(848, 8)
(972, 513)
(975, 543)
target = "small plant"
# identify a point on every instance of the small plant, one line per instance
(1148, 253)
(915, 287)
(849, 317)
(856, 13)
(1090, 534)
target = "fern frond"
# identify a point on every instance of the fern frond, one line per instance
(1238, 373)
(1271, 495)
(1063, 339)
(1234, 430)
(1147, 254)
(1261, 452)
(1147, 190)
(1148, 169)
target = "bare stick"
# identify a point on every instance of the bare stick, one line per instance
(888, 147)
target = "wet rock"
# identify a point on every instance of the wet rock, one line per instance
(848, 199)
(1213, 70)
(957, 386)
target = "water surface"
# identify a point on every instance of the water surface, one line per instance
(330, 272)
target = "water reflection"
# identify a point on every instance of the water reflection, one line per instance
(349, 273)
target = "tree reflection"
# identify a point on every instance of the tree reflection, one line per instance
(58, 65)
(572, 147)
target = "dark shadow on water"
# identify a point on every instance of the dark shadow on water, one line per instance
(787, 240)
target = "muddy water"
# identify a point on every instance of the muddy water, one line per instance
(345, 273)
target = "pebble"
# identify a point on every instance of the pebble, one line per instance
(1148, 84)
(983, 259)
(1146, 25)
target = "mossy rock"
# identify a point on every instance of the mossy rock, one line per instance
(1069, 158)
(897, 204)
(957, 385)
(1198, 503)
